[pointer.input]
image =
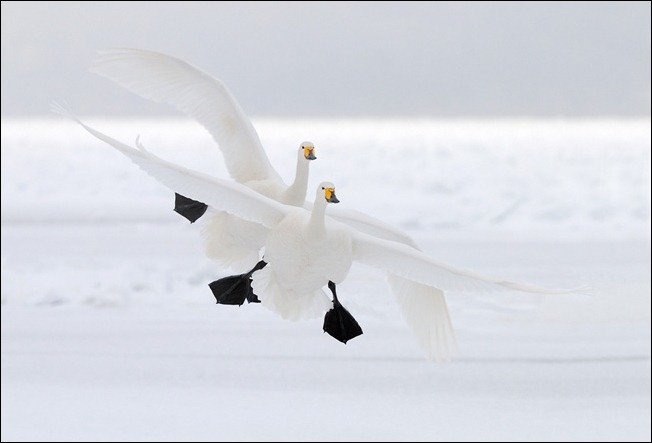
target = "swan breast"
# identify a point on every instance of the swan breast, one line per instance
(304, 262)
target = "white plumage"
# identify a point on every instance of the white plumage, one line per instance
(307, 249)
(169, 80)
(166, 79)
(230, 240)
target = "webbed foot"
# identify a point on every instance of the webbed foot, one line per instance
(189, 208)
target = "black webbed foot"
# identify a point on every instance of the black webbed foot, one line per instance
(338, 322)
(189, 208)
(234, 290)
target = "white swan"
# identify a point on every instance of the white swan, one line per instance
(307, 251)
(166, 79)
(228, 239)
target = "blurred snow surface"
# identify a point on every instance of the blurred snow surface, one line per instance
(109, 331)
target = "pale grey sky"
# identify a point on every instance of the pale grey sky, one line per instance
(441, 59)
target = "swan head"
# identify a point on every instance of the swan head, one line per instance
(328, 190)
(308, 150)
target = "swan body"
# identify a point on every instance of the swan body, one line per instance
(232, 241)
(304, 256)
(302, 242)
(235, 243)
(307, 249)
(301, 261)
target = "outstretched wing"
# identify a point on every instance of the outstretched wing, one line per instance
(368, 224)
(415, 280)
(425, 311)
(404, 261)
(167, 79)
(227, 196)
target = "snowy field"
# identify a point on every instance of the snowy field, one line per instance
(109, 330)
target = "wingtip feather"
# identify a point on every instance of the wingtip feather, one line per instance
(61, 108)
(425, 311)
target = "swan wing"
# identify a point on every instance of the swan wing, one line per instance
(404, 261)
(367, 224)
(425, 311)
(167, 79)
(227, 196)
(423, 307)
(418, 284)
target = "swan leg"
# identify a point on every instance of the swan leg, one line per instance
(189, 208)
(338, 322)
(234, 290)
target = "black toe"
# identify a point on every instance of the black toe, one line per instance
(189, 208)
(251, 297)
(340, 324)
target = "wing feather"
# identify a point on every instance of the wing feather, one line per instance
(227, 196)
(367, 224)
(404, 261)
(418, 284)
(166, 79)
(425, 311)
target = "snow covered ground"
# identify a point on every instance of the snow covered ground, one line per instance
(109, 331)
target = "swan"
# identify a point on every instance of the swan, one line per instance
(271, 186)
(166, 79)
(305, 250)
(229, 240)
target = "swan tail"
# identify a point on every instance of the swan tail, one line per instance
(288, 304)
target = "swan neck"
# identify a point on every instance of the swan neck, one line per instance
(296, 192)
(317, 217)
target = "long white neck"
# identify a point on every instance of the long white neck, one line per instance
(317, 217)
(295, 194)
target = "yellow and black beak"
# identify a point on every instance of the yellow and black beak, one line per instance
(309, 153)
(329, 193)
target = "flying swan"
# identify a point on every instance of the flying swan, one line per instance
(230, 240)
(306, 250)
